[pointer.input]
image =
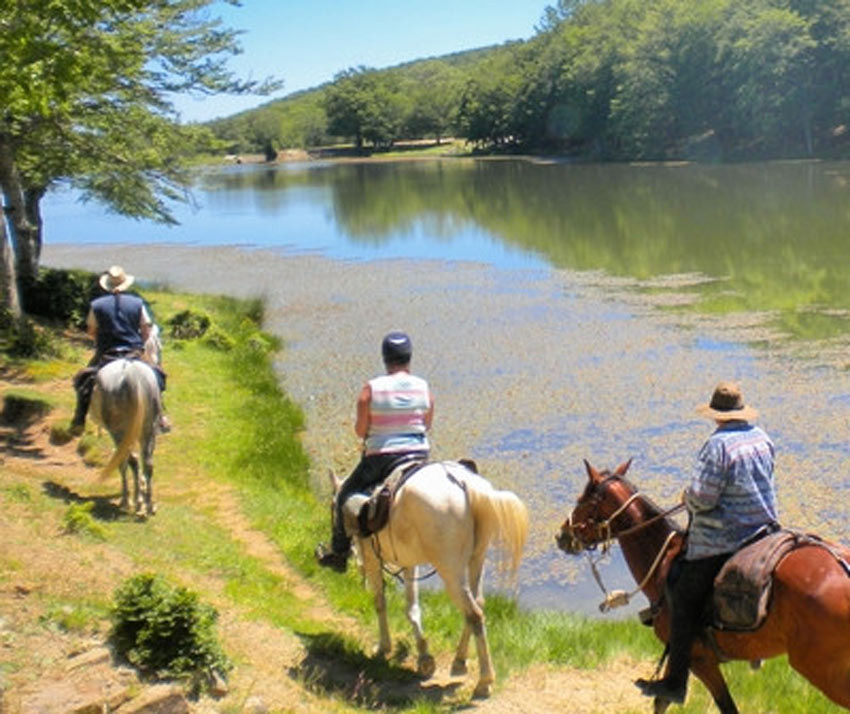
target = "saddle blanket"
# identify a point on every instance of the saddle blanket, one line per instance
(743, 587)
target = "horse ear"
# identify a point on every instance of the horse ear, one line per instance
(592, 473)
(336, 482)
(622, 468)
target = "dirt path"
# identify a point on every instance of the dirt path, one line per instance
(276, 668)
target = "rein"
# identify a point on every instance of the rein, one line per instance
(397, 574)
(619, 598)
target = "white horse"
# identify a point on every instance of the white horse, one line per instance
(445, 515)
(126, 402)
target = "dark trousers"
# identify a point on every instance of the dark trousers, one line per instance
(688, 595)
(371, 470)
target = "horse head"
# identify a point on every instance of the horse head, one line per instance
(605, 496)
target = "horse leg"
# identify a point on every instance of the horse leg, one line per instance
(461, 595)
(425, 663)
(375, 578)
(138, 496)
(147, 470)
(828, 673)
(707, 670)
(125, 491)
(476, 570)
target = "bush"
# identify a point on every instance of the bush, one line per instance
(218, 339)
(78, 519)
(189, 325)
(26, 340)
(61, 295)
(166, 631)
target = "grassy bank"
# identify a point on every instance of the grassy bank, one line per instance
(236, 433)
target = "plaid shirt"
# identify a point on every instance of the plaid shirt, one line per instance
(732, 495)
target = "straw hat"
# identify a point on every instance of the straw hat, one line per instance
(115, 279)
(727, 404)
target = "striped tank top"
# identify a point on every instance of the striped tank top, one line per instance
(397, 412)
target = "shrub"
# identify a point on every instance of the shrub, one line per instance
(61, 295)
(189, 325)
(166, 631)
(218, 339)
(22, 409)
(78, 519)
(26, 340)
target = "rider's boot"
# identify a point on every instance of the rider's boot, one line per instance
(674, 685)
(672, 691)
(83, 386)
(328, 558)
(78, 421)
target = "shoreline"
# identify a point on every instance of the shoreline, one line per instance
(532, 374)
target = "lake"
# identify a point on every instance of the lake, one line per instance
(560, 311)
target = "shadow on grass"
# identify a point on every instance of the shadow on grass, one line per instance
(337, 667)
(103, 510)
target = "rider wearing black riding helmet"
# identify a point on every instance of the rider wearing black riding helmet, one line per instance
(394, 413)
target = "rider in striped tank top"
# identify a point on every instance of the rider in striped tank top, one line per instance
(394, 413)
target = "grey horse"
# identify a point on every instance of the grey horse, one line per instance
(126, 401)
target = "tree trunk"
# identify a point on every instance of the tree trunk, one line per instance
(22, 233)
(9, 297)
(32, 210)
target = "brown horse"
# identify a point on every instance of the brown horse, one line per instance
(809, 616)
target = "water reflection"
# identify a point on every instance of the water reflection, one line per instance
(773, 237)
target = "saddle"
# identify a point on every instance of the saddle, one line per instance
(742, 588)
(84, 379)
(375, 511)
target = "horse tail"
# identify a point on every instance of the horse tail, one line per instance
(502, 513)
(133, 434)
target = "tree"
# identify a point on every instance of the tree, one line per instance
(434, 91)
(767, 54)
(87, 89)
(365, 105)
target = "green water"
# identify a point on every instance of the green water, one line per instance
(757, 237)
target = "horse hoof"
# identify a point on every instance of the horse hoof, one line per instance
(426, 666)
(458, 668)
(482, 691)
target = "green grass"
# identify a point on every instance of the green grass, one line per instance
(235, 426)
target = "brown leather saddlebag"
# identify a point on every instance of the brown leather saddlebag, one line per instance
(742, 588)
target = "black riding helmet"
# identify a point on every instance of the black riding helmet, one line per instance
(396, 348)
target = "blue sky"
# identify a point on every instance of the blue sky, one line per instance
(306, 43)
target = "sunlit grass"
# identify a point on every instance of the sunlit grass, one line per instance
(236, 430)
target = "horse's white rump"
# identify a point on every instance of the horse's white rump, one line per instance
(445, 515)
(126, 402)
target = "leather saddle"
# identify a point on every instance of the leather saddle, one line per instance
(375, 511)
(742, 588)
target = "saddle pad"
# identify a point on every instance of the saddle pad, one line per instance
(743, 586)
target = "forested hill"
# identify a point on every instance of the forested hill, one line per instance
(608, 79)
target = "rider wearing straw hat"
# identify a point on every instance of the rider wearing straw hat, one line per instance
(119, 324)
(731, 501)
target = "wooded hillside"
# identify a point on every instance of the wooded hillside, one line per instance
(607, 79)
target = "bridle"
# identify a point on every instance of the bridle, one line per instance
(604, 535)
